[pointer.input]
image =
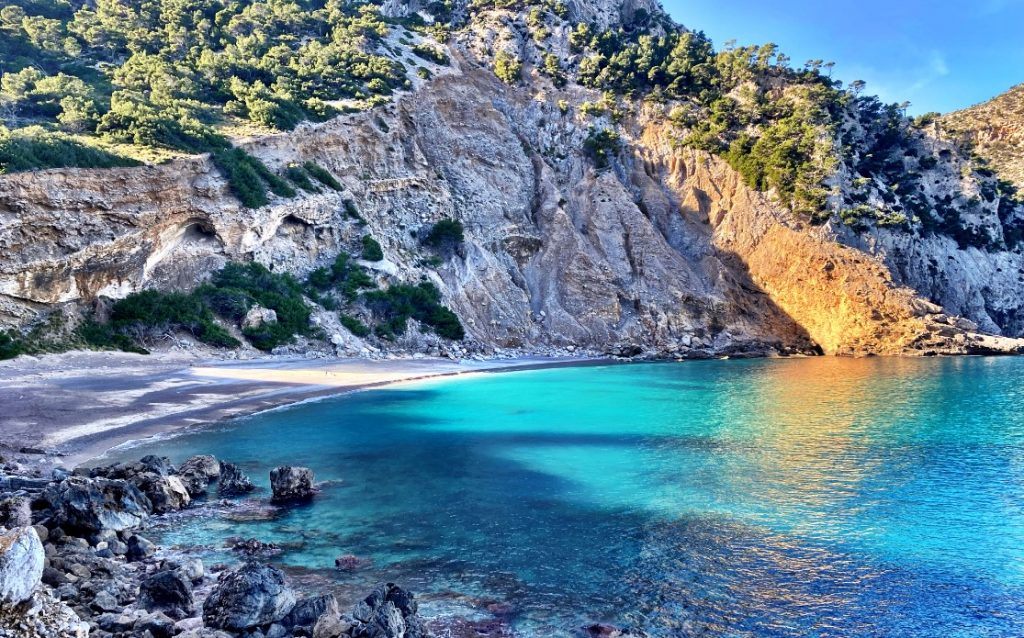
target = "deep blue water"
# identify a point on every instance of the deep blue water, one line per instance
(810, 497)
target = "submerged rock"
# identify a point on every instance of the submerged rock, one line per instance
(249, 596)
(291, 483)
(233, 482)
(351, 562)
(94, 505)
(251, 546)
(21, 565)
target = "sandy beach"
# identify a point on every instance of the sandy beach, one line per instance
(81, 404)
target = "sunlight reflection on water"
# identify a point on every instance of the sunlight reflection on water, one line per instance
(796, 497)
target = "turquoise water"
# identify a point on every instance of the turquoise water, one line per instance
(811, 497)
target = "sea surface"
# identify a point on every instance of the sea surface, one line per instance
(802, 497)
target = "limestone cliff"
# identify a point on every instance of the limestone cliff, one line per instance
(996, 130)
(664, 250)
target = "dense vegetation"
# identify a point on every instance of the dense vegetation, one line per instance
(790, 130)
(143, 319)
(401, 302)
(169, 75)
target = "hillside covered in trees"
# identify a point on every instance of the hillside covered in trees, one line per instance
(186, 77)
(121, 83)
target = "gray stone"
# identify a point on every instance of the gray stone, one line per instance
(165, 493)
(309, 610)
(249, 596)
(158, 624)
(92, 505)
(233, 482)
(15, 511)
(197, 472)
(167, 591)
(21, 564)
(138, 548)
(291, 483)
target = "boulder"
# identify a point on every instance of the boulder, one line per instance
(93, 505)
(309, 610)
(258, 316)
(138, 548)
(197, 472)
(158, 624)
(165, 493)
(191, 568)
(169, 592)
(291, 483)
(21, 565)
(233, 482)
(388, 612)
(249, 596)
(330, 627)
(15, 511)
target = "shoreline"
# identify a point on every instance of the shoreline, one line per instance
(69, 408)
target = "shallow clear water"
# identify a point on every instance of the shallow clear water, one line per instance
(814, 497)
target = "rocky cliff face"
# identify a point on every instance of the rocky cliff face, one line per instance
(665, 250)
(996, 130)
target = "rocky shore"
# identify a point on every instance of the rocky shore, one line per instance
(74, 562)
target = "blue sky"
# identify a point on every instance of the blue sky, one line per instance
(940, 55)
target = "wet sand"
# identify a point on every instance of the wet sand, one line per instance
(81, 404)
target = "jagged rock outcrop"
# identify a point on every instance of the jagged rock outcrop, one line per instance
(97, 504)
(291, 483)
(667, 251)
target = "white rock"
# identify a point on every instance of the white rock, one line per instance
(21, 564)
(257, 316)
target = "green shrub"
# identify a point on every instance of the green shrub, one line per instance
(430, 52)
(602, 145)
(400, 302)
(371, 249)
(321, 174)
(34, 149)
(344, 276)
(356, 327)
(299, 177)
(352, 211)
(445, 236)
(282, 293)
(508, 69)
(10, 345)
(100, 336)
(150, 313)
(243, 179)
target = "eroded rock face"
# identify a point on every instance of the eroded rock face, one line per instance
(98, 504)
(250, 596)
(291, 483)
(666, 252)
(21, 565)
